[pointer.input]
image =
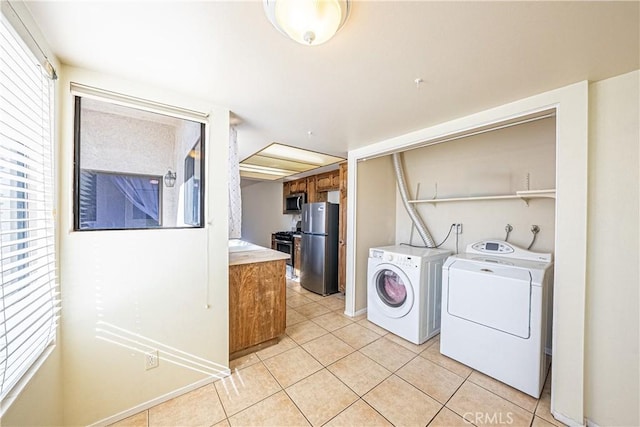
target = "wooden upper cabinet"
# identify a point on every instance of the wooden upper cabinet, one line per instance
(311, 189)
(335, 179)
(316, 186)
(297, 186)
(328, 181)
(323, 182)
(301, 185)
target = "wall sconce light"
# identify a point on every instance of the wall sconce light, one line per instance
(310, 22)
(170, 178)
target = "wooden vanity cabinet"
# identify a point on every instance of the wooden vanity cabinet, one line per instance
(257, 304)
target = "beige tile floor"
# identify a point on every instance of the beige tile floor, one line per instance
(334, 370)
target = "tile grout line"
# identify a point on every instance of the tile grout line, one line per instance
(447, 369)
(326, 367)
(358, 400)
(226, 415)
(427, 394)
(467, 378)
(297, 407)
(255, 403)
(347, 385)
(451, 397)
(502, 397)
(285, 390)
(554, 422)
(361, 398)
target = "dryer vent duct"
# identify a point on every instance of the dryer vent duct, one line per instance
(411, 210)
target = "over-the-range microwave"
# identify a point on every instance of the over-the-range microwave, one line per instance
(293, 203)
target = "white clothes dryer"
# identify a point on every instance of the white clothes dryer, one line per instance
(403, 290)
(496, 312)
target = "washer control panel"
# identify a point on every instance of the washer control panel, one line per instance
(406, 261)
(490, 247)
(376, 253)
(395, 259)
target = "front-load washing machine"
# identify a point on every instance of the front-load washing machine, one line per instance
(404, 290)
(496, 312)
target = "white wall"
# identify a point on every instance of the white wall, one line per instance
(125, 292)
(262, 213)
(612, 351)
(493, 163)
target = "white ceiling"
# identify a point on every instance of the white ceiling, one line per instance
(359, 87)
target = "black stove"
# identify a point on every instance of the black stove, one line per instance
(284, 235)
(283, 241)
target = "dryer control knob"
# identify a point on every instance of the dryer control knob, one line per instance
(388, 257)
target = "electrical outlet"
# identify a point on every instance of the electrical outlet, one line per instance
(458, 228)
(151, 359)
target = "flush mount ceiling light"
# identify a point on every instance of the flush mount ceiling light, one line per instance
(309, 22)
(278, 160)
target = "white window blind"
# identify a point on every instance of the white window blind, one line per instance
(29, 299)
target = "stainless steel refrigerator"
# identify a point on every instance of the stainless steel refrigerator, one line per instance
(319, 255)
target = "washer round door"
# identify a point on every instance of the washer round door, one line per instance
(392, 290)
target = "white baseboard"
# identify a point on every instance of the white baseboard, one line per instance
(158, 400)
(356, 314)
(566, 420)
(361, 311)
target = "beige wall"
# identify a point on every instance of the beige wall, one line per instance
(612, 352)
(44, 392)
(375, 217)
(493, 163)
(126, 292)
(262, 213)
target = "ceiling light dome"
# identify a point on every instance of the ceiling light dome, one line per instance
(309, 22)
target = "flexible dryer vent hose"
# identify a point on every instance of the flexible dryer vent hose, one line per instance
(411, 210)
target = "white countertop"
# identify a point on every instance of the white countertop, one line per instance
(241, 252)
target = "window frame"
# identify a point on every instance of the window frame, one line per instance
(77, 169)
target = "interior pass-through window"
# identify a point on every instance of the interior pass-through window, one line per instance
(136, 169)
